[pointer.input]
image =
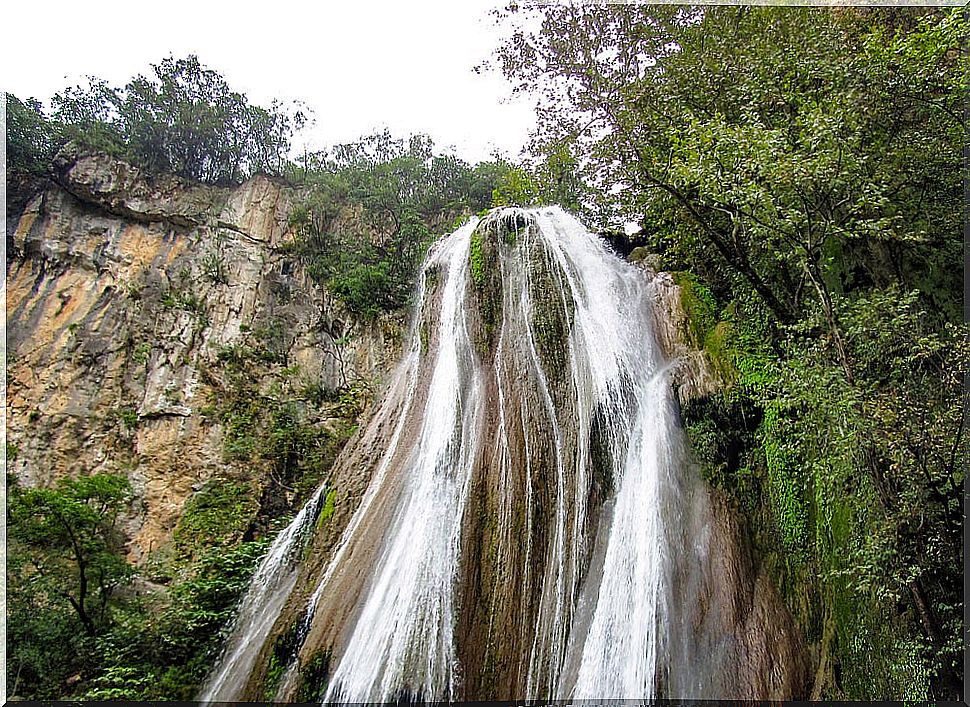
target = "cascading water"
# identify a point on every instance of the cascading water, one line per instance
(402, 642)
(261, 604)
(531, 528)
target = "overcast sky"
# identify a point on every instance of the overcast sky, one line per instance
(360, 65)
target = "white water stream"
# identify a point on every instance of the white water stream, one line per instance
(261, 604)
(606, 591)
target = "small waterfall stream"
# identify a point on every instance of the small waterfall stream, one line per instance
(532, 528)
(402, 641)
(261, 604)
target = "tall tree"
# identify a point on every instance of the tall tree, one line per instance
(71, 542)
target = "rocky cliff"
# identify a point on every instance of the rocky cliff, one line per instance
(149, 319)
(128, 298)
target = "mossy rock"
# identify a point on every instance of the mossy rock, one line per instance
(486, 281)
(646, 257)
(720, 355)
(314, 677)
(699, 306)
(285, 647)
(552, 309)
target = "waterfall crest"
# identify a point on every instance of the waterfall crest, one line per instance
(531, 527)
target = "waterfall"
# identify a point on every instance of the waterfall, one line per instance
(260, 606)
(531, 527)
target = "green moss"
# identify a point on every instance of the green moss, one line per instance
(476, 259)
(424, 335)
(326, 513)
(483, 263)
(638, 254)
(720, 353)
(552, 312)
(284, 651)
(216, 516)
(314, 677)
(699, 307)
(787, 485)
(601, 454)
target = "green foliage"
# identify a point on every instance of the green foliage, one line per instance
(182, 119)
(213, 266)
(785, 483)
(516, 187)
(371, 210)
(74, 525)
(64, 565)
(161, 649)
(805, 166)
(476, 259)
(111, 641)
(31, 139)
(141, 353)
(126, 416)
(216, 516)
(353, 399)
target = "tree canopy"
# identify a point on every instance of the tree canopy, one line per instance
(372, 208)
(182, 119)
(805, 166)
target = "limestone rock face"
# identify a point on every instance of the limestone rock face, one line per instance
(692, 376)
(121, 294)
(122, 190)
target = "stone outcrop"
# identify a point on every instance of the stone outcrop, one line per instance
(692, 376)
(121, 294)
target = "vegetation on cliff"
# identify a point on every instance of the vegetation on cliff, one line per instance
(800, 168)
(805, 166)
(369, 210)
(84, 623)
(87, 624)
(183, 119)
(372, 208)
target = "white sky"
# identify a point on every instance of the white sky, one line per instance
(360, 65)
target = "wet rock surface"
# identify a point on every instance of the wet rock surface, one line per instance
(540, 479)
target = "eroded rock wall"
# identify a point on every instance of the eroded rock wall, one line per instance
(123, 297)
(738, 595)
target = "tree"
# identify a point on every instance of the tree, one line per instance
(806, 165)
(182, 119)
(30, 136)
(765, 138)
(401, 194)
(68, 539)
